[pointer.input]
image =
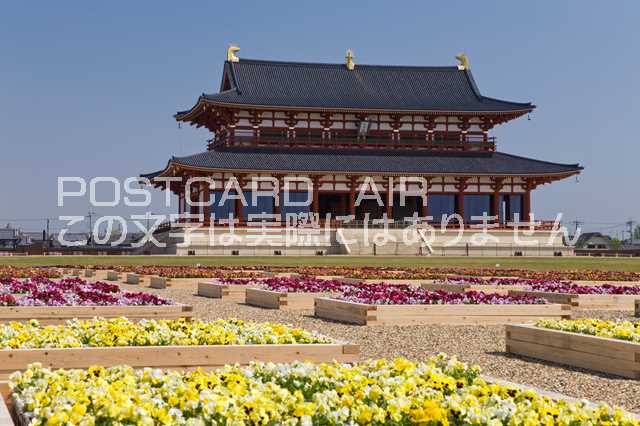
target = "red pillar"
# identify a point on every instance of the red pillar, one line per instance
(238, 207)
(389, 207)
(423, 200)
(495, 206)
(352, 197)
(389, 201)
(238, 212)
(181, 200)
(194, 196)
(315, 204)
(526, 205)
(276, 207)
(460, 203)
(424, 208)
(205, 187)
(342, 205)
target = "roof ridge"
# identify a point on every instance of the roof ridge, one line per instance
(472, 83)
(341, 64)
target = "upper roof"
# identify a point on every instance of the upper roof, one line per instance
(366, 88)
(370, 161)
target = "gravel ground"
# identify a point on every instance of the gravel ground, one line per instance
(482, 345)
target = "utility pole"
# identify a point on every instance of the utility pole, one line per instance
(577, 224)
(90, 214)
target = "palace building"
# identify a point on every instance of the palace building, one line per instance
(328, 133)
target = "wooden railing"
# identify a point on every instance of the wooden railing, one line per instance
(471, 142)
(538, 225)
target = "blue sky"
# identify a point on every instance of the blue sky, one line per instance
(89, 88)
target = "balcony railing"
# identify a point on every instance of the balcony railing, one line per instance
(441, 142)
(538, 225)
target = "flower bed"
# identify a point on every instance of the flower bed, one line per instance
(437, 392)
(623, 330)
(385, 294)
(56, 301)
(7, 272)
(186, 272)
(486, 285)
(299, 294)
(503, 285)
(603, 296)
(424, 273)
(102, 332)
(565, 287)
(72, 292)
(604, 346)
(404, 305)
(366, 272)
(161, 343)
(275, 292)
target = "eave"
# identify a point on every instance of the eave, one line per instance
(202, 102)
(173, 167)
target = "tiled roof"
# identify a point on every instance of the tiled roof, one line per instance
(367, 87)
(370, 161)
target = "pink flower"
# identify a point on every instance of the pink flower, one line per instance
(293, 285)
(71, 292)
(385, 294)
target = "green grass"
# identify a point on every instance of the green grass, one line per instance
(533, 263)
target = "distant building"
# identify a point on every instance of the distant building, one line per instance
(71, 237)
(9, 237)
(32, 237)
(631, 244)
(594, 241)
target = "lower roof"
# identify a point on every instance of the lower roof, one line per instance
(368, 161)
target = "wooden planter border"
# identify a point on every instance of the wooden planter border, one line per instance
(281, 300)
(159, 282)
(365, 314)
(8, 415)
(596, 353)
(621, 302)
(175, 357)
(59, 314)
(637, 308)
(132, 279)
(112, 276)
(216, 290)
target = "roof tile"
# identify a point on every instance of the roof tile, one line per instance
(367, 87)
(371, 161)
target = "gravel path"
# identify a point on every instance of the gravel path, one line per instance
(482, 345)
